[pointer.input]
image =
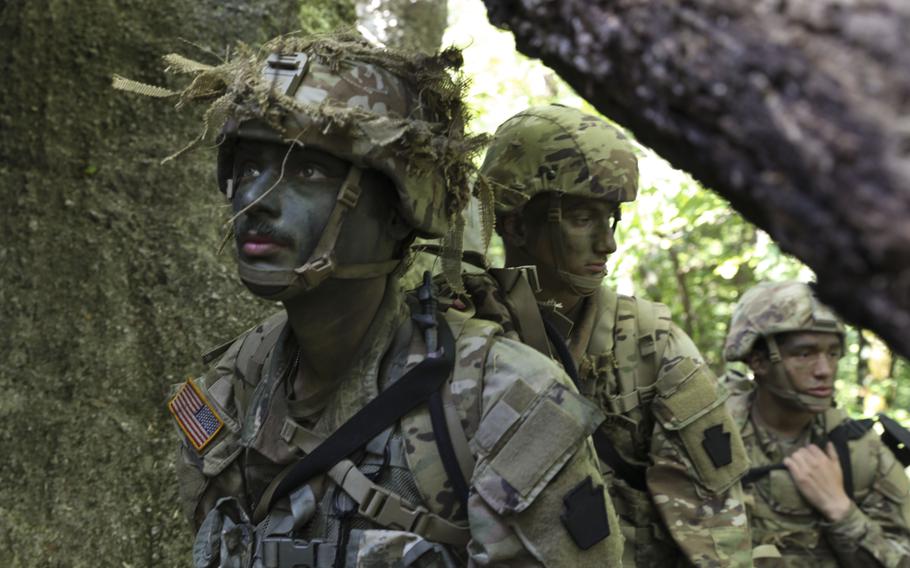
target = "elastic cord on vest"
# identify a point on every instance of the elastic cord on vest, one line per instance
(321, 264)
(583, 286)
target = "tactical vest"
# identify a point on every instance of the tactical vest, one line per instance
(783, 523)
(399, 484)
(414, 516)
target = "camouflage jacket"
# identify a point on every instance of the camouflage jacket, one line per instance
(787, 531)
(661, 402)
(524, 424)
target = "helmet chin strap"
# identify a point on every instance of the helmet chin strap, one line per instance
(583, 286)
(779, 382)
(283, 284)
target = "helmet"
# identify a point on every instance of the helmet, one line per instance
(559, 150)
(772, 308)
(401, 114)
(365, 105)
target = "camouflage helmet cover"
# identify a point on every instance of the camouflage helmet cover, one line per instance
(770, 308)
(557, 148)
(396, 112)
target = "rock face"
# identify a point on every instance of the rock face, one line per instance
(795, 111)
(110, 281)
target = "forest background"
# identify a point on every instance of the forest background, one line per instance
(112, 284)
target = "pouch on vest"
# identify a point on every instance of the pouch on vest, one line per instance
(226, 537)
(525, 439)
(395, 548)
(688, 403)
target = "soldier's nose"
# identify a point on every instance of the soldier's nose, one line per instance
(258, 196)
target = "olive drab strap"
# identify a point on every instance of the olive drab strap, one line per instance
(516, 286)
(641, 332)
(379, 505)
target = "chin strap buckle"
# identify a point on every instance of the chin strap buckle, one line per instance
(315, 271)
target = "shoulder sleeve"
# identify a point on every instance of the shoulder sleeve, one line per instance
(698, 458)
(536, 488)
(202, 461)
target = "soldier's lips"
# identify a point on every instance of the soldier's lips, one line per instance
(596, 268)
(820, 392)
(259, 246)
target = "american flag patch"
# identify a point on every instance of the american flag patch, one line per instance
(195, 415)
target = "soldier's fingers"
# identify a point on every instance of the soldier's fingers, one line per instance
(794, 467)
(832, 452)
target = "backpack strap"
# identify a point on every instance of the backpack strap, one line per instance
(841, 430)
(641, 330)
(378, 504)
(402, 396)
(515, 284)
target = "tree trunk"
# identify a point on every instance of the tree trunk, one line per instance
(111, 285)
(795, 111)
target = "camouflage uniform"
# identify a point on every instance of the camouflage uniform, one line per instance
(520, 430)
(786, 529)
(661, 400)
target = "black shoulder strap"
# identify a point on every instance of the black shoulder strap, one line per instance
(839, 436)
(633, 475)
(896, 438)
(404, 395)
(445, 448)
(844, 432)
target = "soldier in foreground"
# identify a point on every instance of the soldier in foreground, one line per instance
(355, 428)
(668, 444)
(823, 489)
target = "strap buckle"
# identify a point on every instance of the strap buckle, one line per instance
(390, 510)
(317, 270)
(286, 552)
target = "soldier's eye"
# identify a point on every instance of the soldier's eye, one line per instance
(249, 170)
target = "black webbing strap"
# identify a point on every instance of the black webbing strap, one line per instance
(839, 436)
(633, 475)
(445, 448)
(403, 396)
(757, 473)
(896, 438)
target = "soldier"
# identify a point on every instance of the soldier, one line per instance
(823, 489)
(559, 177)
(355, 428)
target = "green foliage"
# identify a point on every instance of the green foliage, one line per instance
(318, 16)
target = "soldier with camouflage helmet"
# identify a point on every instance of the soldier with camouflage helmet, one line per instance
(668, 445)
(315, 440)
(823, 489)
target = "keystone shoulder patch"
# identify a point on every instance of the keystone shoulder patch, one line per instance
(585, 514)
(195, 416)
(717, 445)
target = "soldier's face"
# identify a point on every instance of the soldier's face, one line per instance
(811, 360)
(587, 233)
(287, 192)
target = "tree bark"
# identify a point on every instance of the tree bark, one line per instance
(795, 111)
(111, 285)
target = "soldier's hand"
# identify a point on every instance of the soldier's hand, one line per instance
(819, 478)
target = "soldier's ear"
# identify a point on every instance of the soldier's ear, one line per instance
(512, 229)
(759, 363)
